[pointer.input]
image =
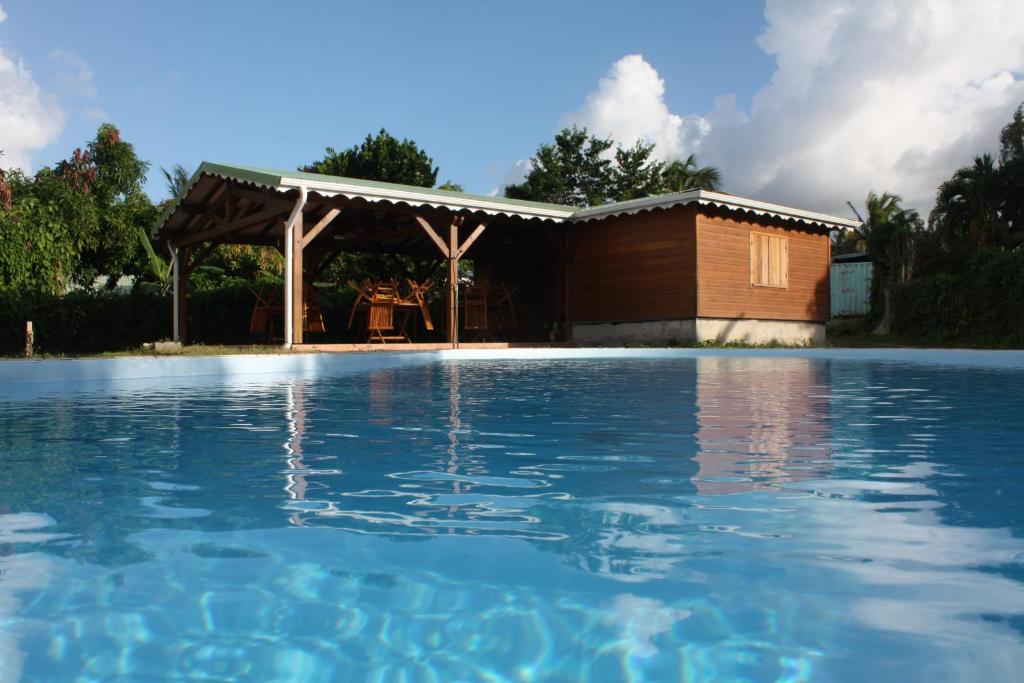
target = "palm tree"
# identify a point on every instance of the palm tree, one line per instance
(686, 175)
(177, 180)
(968, 207)
(888, 235)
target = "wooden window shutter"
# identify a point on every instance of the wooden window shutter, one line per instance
(755, 259)
(769, 260)
(783, 261)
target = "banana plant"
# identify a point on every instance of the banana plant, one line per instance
(159, 269)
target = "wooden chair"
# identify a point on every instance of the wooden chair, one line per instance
(417, 292)
(379, 300)
(312, 316)
(503, 310)
(474, 309)
(362, 296)
(506, 304)
(381, 317)
(264, 311)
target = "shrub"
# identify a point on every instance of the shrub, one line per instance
(982, 303)
(96, 321)
(82, 321)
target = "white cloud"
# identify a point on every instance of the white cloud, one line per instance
(866, 94)
(514, 175)
(30, 119)
(629, 105)
(640, 620)
(74, 73)
(96, 114)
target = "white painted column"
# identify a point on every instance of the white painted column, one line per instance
(289, 274)
(176, 290)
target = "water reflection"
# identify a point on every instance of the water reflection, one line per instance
(761, 423)
(727, 517)
(20, 574)
(295, 419)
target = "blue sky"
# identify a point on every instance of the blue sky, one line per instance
(771, 93)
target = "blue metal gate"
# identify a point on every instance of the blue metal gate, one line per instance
(851, 288)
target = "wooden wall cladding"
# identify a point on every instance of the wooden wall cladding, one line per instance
(723, 271)
(640, 267)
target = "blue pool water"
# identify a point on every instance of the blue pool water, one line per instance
(712, 518)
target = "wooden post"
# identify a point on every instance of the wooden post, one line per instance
(180, 288)
(453, 252)
(298, 306)
(29, 339)
(453, 284)
(292, 239)
(566, 259)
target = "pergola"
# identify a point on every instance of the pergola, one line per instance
(312, 218)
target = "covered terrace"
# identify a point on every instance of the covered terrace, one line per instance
(313, 218)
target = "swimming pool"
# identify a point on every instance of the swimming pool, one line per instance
(691, 516)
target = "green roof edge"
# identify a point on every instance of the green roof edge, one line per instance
(270, 177)
(276, 176)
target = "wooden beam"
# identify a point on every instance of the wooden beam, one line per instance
(432, 234)
(225, 228)
(469, 240)
(199, 258)
(229, 204)
(217, 192)
(195, 208)
(319, 227)
(268, 197)
(371, 238)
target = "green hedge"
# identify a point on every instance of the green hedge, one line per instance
(82, 322)
(92, 322)
(981, 304)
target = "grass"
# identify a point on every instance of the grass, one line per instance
(193, 350)
(855, 333)
(847, 333)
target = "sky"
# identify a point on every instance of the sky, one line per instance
(805, 103)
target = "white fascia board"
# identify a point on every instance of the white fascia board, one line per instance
(371, 194)
(704, 197)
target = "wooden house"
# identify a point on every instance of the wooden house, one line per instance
(699, 266)
(686, 266)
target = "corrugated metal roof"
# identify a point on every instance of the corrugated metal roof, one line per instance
(706, 198)
(410, 195)
(373, 191)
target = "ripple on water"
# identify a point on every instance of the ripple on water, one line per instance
(720, 518)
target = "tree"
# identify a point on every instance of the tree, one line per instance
(75, 221)
(177, 179)
(1011, 139)
(575, 170)
(1011, 161)
(39, 249)
(635, 174)
(686, 175)
(119, 202)
(889, 233)
(383, 158)
(968, 213)
(578, 170)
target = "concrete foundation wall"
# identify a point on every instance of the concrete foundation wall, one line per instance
(648, 331)
(722, 330)
(747, 331)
